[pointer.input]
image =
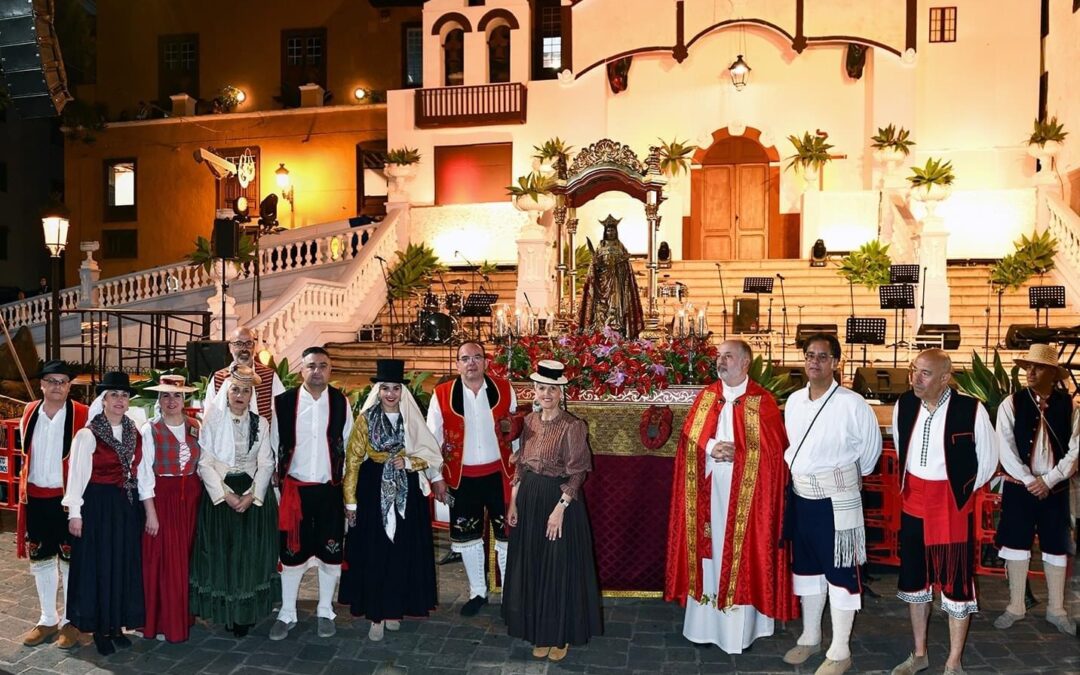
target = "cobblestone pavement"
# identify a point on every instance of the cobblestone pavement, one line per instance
(640, 636)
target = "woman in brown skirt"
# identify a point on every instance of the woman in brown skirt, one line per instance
(551, 597)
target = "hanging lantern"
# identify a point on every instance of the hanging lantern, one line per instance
(740, 72)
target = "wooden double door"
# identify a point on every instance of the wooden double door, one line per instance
(730, 212)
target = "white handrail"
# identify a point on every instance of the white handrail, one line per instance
(308, 302)
(1064, 224)
(284, 252)
(904, 229)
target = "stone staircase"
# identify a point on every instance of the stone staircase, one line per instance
(814, 296)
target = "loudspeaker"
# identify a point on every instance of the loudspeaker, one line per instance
(746, 316)
(884, 384)
(226, 239)
(796, 374)
(805, 330)
(1022, 336)
(33, 68)
(206, 357)
(949, 331)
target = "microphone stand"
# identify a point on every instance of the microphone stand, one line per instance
(783, 311)
(389, 301)
(986, 333)
(472, 271)
(922, 305)
(723, 299)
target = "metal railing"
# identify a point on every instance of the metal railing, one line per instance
(474, 105)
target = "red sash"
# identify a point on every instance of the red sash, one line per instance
(290, 512)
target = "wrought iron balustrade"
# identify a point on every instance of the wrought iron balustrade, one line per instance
(474, 105)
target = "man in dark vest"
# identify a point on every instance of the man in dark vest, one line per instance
(47, 427)
(311, 425)
(947, 449)
(466, 417)
(1037, 433)
(242, 346)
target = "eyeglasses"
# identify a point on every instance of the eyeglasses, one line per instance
(811, 356)
(475, 358)
(54, 382)
(243, 344)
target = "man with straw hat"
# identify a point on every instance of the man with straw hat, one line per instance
(1037, 432)
(47, 427)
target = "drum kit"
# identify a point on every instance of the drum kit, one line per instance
(438, 317)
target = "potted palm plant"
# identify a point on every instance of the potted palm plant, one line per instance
(401, 162)
(933, 181)
(1046, 138)
(811, 155)
(550, 154)
(533, 192)
(891, 144)
(675, 157)
(868, 265)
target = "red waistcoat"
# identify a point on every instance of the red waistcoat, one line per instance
(75, 420)
(449, 397)
(264, 391)
(107, 469)
(167, 448)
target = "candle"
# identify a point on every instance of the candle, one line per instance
(702, 325)
(680, 323)
(517, 321)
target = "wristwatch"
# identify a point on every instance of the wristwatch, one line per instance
(565, 504)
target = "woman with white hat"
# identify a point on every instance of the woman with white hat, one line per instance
(389, 551)
(234, 577)
(110, 501)
(551, 596)
(170, 442)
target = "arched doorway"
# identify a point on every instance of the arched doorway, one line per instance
(735, 201)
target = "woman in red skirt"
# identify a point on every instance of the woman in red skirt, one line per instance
(170, 441)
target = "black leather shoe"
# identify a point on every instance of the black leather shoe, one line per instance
(451, 556)
(122, 641)
(473, 606)
(104, 644)
(241, 630)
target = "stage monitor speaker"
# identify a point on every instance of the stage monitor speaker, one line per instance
(206, 357)
(33, 68)
(226, 239)
(797, 374)
(1022, 336)
(884, 384)
(805, 330)
(946, 335)
(746, 316)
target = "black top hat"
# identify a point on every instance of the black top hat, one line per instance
(55, 367)
(390, 370)
(115, 381)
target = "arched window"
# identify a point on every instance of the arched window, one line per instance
(454, 58)
(499, 54)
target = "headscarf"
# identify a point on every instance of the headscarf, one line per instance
(411, 437)
(216, 436)
(101, 428)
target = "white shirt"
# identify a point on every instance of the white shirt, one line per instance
(845, 433)
(179, 432)
(81, 465)
(47, 449)
(481, 445)
(1052, 474)
(311, 457)
(725, 425)
(986, 449)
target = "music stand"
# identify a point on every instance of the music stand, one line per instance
(903, 274)
(864, 331)
(1046, 297)
(898, 298)
(478, 305)
(757, 286)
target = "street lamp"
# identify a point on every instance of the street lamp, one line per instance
(284, 183)
(740, 72)
(55, 225)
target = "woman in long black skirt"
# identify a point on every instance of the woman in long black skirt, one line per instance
(390, 559)
(551, 596)
(110, 501)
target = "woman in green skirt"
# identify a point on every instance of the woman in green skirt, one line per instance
(234, 578)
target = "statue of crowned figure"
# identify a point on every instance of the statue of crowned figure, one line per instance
(610, 298)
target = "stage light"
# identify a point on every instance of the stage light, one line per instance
(240, 96)
(818, 254)
(740, 72)
(663, 254)
(360, 93)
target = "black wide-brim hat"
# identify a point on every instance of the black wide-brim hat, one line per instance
(390, 370)
(115, 381)
(55, 367)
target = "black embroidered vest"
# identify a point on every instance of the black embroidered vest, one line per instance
(285, 407)
(1058, 419)
(961, 461)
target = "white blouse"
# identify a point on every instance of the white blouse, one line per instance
(216, 462)
(81, 465)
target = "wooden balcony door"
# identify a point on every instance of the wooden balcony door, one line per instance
(731, 207)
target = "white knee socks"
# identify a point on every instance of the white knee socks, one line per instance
(328, 577)
(813, 606)
(1055, 589)
(46, 581)
(472, 556)
(1017, 572)
(65, 568)
(291, 575)
(500, 554)
(842, 620)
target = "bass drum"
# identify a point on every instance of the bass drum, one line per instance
(437, 328)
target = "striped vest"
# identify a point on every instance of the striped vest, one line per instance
(167, 448)
(264, 392)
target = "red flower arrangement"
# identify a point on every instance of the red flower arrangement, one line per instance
(605, 363)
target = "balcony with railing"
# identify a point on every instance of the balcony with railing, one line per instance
(475, 105)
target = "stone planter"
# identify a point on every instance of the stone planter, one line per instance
(1048, 150)
(397, 175)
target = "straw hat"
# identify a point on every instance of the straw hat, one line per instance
(245, 376)
(1043, 355)
(172, 384)
(549, 372)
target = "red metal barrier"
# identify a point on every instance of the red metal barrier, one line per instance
(10, 464)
